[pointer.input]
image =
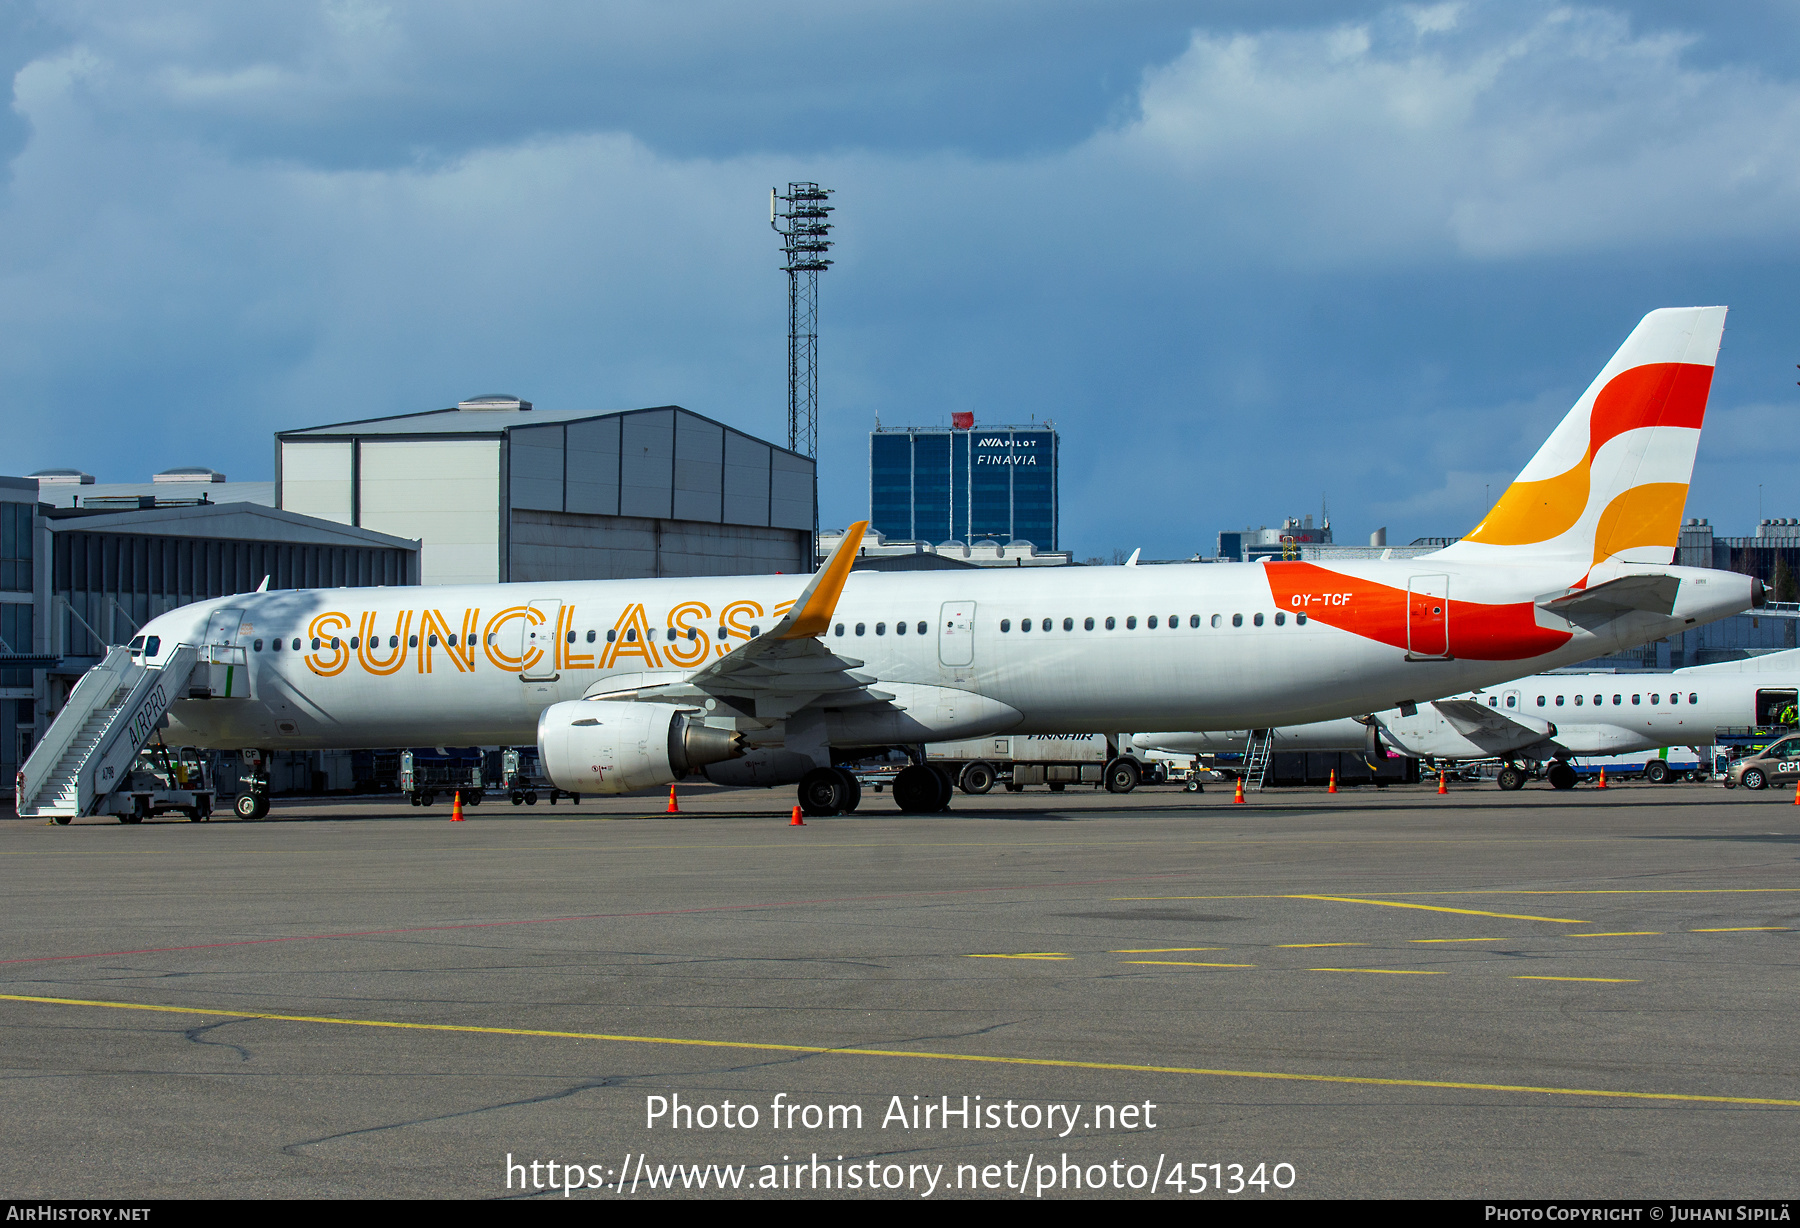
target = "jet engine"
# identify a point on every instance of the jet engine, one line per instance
(604, 746)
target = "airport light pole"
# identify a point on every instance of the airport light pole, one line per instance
(801, 219)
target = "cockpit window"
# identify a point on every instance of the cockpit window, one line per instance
(153, 645)
(137, 645)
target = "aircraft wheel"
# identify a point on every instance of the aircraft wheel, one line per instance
(977, 778)
(1122, 776)
(919, 789)
(245, 806)
(1657, 772)
(1560, 775)
(946, 788)
(852, 790)
(1753, 778)
(823, 792)
(1511, 778)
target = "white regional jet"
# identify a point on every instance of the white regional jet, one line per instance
(625, 684)
(1548, 719)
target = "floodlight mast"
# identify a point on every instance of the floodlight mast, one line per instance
(800, 218)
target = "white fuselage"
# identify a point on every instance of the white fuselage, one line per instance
(1593, 714)
(395, 678)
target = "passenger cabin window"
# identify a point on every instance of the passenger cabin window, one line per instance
(1237, 620)
(1637, 699)
(1068, 624)
(920, 629)
(880, 628)
(1256, 620)
(1131, 622)
(1655, 699)
(1024, 624)
(1617, 700)
(1044, 626)
(1300, 620)
(1693, 697)
(1215, 620)
(1194, 621)
(1110, 625)
(861, 628)
(840, 629)
(590, 638)
(255, 645)
(1512, 701)
(1280, 619)
(1087, 624)
(899, 628)
(1493, 702)
(1578, 700)
(1006, 624)
(412, 641)
(1540, 701)
(1150, 622)
(1599, 699)
(1559, 701)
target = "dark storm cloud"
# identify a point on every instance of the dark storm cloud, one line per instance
(1244, 255)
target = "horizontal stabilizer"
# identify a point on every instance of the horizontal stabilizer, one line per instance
(1654, 594)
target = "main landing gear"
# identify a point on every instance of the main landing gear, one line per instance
(831, 790)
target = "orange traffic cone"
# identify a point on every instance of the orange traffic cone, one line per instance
(1797, 793)
(673, 808)
(1333, 786)
(1239, 799)
(1602, 783)
(1442, 787)
(796, 821)
(456, 808)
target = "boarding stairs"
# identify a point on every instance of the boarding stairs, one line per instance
(1256, 758)
(111, 715)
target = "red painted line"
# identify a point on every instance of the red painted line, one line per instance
(596, 916)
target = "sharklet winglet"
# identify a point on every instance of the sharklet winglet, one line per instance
(812, 610)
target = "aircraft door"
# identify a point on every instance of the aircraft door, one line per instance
(224, 626)
(537, 643)
(1775, 707)
(956, 633)
(1428, 618)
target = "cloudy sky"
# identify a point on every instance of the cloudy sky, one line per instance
(1248, 256)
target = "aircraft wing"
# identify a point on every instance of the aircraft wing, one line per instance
(788, 667)
(1473, 720)
(1655, 594)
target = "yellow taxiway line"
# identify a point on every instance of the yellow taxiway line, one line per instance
(920, 1055)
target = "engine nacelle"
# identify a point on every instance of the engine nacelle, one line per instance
(605, 746)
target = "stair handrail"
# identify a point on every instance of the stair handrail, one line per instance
(138, 719)
(92, 691)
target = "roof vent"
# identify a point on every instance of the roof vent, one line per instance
(63, 477)
(494, 400)
(192, 473)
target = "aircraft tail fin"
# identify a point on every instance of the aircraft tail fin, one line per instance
(1611, 482)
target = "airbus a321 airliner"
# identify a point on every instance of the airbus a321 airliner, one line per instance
(625, 684)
